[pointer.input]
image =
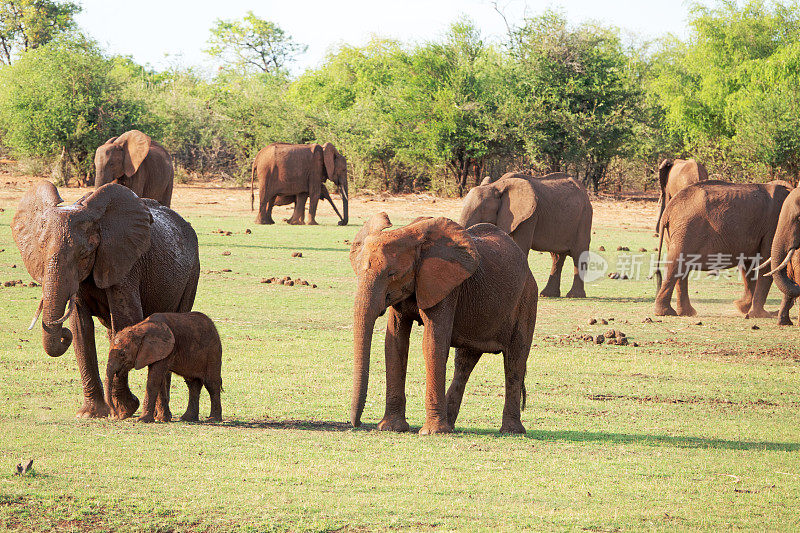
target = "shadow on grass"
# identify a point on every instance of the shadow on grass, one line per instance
(540, 435)
(653, 440)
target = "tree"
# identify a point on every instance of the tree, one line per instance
(253, 44)
(60, 101)
(28, 24)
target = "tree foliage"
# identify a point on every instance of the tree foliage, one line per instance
(253, 45)
(28, 24)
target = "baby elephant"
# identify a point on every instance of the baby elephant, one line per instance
(185, 343)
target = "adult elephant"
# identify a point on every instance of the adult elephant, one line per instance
(472, 290)
(784, 256)
(297, 172)
(136, 161)
(550, 214)
(675, 175)
(111, 255)
(713, 225)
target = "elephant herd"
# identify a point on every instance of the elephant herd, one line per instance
(121, 254)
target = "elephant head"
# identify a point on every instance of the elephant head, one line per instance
(119, 158)
(336, 171)
(785, 243)
(426, 260)
(137, 347)
(101, 235)
(506, 203)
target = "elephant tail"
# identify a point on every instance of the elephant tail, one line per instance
(524, 397)
(661, 232)
(252, 178)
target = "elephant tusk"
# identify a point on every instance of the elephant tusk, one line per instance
(36, 317)
(66, 315)
(343, 193)
(785, 262)
(762, 265)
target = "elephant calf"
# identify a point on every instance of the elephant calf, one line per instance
(185, 343)
(471, 289)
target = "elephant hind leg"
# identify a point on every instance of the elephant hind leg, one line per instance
(553, 287)
(163, 413)
(744, 303)
(684, 305)
(783, 314)
(577, 290)
(299, 215)
(663, 305)
(465, 362)
(515, 361)
(214, 388)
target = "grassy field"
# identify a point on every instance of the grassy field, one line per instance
(698, 428)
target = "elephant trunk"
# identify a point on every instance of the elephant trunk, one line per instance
(345, 200)
(369, 305)
(56, 339)
(780, 251)
(113, 367)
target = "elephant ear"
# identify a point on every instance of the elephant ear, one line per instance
(124, 225)
(447, 257)
(111, 140)
(376, 224)
(157, 343)
(487, 180)
(26, 227)
(663, 172)
(329, 153)
(135, 146)
(517, 202)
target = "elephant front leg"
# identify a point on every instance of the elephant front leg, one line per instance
(684, 305)
(94, 405)
(155, 383)
(757, 310)
(126, 310)
(744, 303)
(663, 305)
(163, 413)
(515, 361)
(783, 314)
(398, 331)
(192, 413)
(465, 362)
(265, 205)
(313, 202)
(438, 322)
(553, 287)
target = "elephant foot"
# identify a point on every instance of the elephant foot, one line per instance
(125, 404)
(687, 311)
(431, 428)
(215, 418)
(784, 321)
(743, 305)
(93, 409)
(164, 417)
(512, 426)
(148, 418)
(761, 313)
(549, 292)
(576, 293)
(664, 310)
(393, 424)
(260, 220)
(341, 223)
(190, 417)
(295, 222)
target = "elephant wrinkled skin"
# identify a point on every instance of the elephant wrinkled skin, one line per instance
(710, 226)
(295, 173)
(471, 289)
(783, 256)
(549, 214)
(111, 255)
(139, 163)
(187, 344)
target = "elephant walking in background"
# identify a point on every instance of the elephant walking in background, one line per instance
(295, 173)
(550, 214)
(139, 163)
(111, 255)
(714, 225)
(675, 175)
(784, 256)
(471, 289)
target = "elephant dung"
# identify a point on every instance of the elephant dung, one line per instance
(297, 254)
(226, 252)
(600, 339)
(592, 321)
(247, 231)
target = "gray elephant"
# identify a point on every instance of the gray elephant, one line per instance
(471, 288)
(714, 225)
(675, 175)
(139, 163)
(295, 173)
(550, 214)
(111, 255)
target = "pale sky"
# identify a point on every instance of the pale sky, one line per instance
(174, 32)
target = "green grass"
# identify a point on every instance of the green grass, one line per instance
(697, 428)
